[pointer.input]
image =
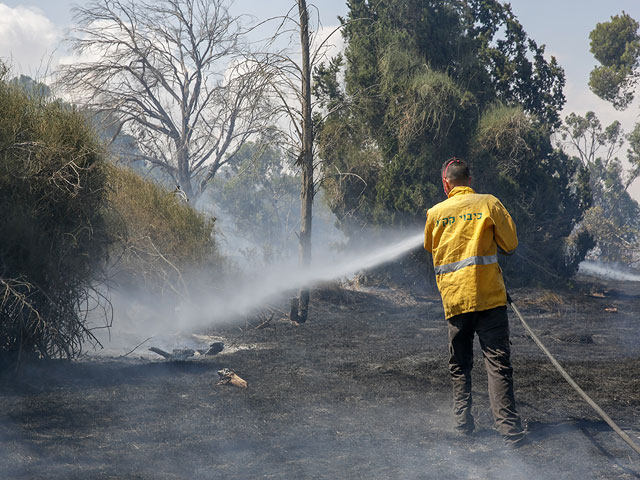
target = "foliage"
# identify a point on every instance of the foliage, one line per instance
(431, 102)
(479, 43)
(588, 137)
(502, 130)
(159, 235)
(31, 87)
(326, 85)
(616, 45)
(516, 64)
(633, 155)
(545, 191)
(427, 80)
(261, 196)
(614, 242)
(351, 169)
(54, 231)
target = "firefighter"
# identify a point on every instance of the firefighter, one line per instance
(464, 234)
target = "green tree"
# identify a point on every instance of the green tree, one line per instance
(545, 191)
(427, 80)
(616, 45)
(614, 221)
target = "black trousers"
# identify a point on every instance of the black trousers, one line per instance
(492, 327)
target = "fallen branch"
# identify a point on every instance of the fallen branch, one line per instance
(135, 348)
(166, 355)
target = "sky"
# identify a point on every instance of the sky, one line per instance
(31, 31)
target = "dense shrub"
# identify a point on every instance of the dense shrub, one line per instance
(73, 223)
(54, 234)
(159, 235)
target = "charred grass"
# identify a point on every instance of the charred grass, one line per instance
(360, 391)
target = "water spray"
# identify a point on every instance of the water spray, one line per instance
(242, 297)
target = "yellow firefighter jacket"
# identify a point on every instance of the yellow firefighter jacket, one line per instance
(463, 234)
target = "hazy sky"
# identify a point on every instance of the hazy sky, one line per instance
(30, 31)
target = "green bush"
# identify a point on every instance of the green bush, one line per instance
(70, 220)
(54, 234)
(159, 235)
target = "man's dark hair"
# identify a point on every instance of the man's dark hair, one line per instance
(456, 170)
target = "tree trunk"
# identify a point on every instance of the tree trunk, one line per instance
(306, 160)
(184, 173)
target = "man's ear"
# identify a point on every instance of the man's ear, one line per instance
(447, 185)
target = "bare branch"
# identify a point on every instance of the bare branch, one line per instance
(173, 73)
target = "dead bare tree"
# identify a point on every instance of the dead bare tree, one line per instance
(306, 158)
(289, 75)
(170, 72)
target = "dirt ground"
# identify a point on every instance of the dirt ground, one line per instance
(359, 392)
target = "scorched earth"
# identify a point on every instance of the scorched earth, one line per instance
(359, 392)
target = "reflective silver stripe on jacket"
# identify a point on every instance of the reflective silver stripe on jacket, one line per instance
(455, 266)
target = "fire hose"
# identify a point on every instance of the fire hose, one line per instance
(571, 382)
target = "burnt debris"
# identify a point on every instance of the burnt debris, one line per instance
(181, 354)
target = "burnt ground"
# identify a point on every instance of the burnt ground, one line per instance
(359, 392)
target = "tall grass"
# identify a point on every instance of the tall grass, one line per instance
(159, 235)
